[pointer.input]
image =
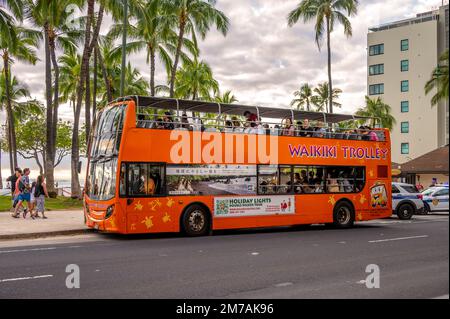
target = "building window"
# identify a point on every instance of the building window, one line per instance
(405, 148)
(404, 45)
(376, 49)
(404, 106)
(405, 86)
(405, 127)
(404, 65)
(376, 89)
(376, 69)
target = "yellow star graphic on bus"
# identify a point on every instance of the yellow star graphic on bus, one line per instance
(155, 203)
(170, 202)
(360, 216)
(138, 206)
(331, 200)
(166, 218)
(362, 199)
(148, 222)
(371, 173)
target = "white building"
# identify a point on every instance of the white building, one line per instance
(401, 58)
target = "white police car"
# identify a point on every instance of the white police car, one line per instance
(436, 199)
(406, 200)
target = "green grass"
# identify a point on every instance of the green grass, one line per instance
(59, 203)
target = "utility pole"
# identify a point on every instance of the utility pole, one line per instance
(124, 44)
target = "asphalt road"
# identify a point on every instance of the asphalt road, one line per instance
(412, 256)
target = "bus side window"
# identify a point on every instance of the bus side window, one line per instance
(146, 179)
(122, 180)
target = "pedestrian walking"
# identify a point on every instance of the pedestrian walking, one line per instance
(40, 193)
(12, 180)
(23, 185)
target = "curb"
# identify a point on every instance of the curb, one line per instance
(70, 232)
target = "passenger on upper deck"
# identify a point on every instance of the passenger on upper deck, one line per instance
(288, 129)
(320, 130)
(250, 117)
(168, 121)
(306, 130)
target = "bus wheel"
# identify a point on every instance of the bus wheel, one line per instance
(343, 215)
(195, 221)
(405, 211)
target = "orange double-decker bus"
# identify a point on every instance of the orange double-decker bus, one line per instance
(166, 165)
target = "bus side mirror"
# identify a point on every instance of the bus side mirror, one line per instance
(79, 167)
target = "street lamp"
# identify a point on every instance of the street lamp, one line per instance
(124, 43)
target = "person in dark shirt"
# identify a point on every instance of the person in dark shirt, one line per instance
(306, 130)
(13, 179)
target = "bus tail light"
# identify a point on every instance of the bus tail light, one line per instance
(109, 211)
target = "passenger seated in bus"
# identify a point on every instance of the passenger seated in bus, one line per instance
(228, 127)
(168, 121)
(344, 183)
(372, 134)
(288, 129)
(184, 122)
(306, 130)
(297, 184)
(159, 123)
(332, 183)
(250, 117)
(319, 130)
(141, 121)
(266, 128)
(263, 187)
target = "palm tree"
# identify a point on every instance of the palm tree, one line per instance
(377, 109)
(153, 32)
(198, 15)
(50, 18)
(322, 98)
(18, 46)
(70, 67)
(225, 98)
(90, 41)
(326, 13)
(439, 80)
(195, 81)
(304, 98)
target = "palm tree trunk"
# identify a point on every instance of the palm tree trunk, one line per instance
(94, 93)
(177, 54)
(11, 159)
(50, 169)
(105, 76)
(87, 102)
(49, 158)
(152, 71)
(10, 114)
(330, 84)
(88, 47)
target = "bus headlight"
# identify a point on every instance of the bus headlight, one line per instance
(109, 211)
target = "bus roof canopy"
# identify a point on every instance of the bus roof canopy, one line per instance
(236, 109)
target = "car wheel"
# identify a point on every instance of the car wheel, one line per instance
(405, 211)
(196, 221)
(343, 215)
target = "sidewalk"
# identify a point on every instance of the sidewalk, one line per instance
(68, 222)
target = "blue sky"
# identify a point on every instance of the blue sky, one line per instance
(263, 61)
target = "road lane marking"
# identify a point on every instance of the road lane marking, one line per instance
(284, 284)
(399, 238)
(25, 278)
(24, 250)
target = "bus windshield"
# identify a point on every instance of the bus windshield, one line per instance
(102, 180)
(108, 132)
